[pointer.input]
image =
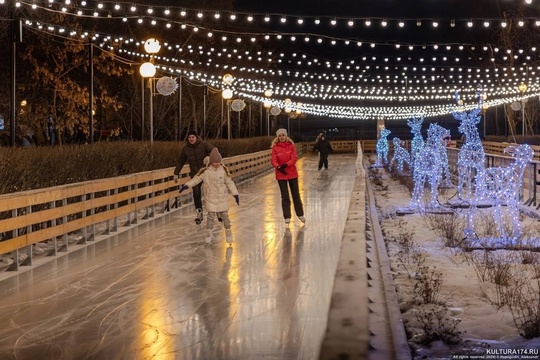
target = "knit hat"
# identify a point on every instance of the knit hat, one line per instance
(215, 156)
(192, 132)
(281, 131)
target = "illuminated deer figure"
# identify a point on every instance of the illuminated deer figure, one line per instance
(471, 156)
(429, 166)
(400, 154)
(502, 185)
(418, 141)
(382, 147)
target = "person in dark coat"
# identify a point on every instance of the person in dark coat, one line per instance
(324, 148)
(194, 153)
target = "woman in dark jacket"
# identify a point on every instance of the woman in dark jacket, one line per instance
(324, 148)
(284, 161)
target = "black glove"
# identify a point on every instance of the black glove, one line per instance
(281, 169)
(237, 199)
(184, 187)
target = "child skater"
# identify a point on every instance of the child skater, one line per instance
(217, 184)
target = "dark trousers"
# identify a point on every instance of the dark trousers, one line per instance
(323, 160)
(286, 200)
(197, 194)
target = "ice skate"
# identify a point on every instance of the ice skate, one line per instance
(209, 237)
(199, 218)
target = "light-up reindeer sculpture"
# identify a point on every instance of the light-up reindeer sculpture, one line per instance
(429, 166)
(382, 148)
(471, 156)
(400, 155)
(502, 186)
(418, 141)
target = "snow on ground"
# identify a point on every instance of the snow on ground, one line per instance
(471, 321)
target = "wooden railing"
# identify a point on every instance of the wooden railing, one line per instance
(31, 217)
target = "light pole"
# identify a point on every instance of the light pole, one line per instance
(522, 88)
(288, 110)
(227, 94)
(268, 104)
(148, 70)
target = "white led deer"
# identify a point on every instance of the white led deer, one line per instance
(382, 147)
(401, 155)
(502, 185)
(471, 156)
(418, 141)
(429, 166)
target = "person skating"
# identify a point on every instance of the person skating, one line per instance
(284, 159)
(216, 186)
(324, 148)
(194, 153)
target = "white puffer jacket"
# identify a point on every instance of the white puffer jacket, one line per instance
(217, 184)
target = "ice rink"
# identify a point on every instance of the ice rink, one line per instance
(159, 291)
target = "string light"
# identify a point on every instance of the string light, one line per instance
(419, 84)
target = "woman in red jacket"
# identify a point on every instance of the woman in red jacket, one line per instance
(284, 161)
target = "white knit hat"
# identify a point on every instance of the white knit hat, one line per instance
(281, 131)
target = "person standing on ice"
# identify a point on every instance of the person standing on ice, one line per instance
(324, 148)
(216, 186)
(284, 161)
(194, 153)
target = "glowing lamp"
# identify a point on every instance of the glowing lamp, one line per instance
(268, 92)
(522, 87)
(147, 70)
(152, 46)
(227, 94)
(228, 79)
(267, 104)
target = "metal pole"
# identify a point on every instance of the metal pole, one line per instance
(289, 125)
(13, 77)
(204, 110)
(267, 122)
(180, 110)
(228, 121)
(142, 109)
(522, 118)
(151, 111)
(91, 107)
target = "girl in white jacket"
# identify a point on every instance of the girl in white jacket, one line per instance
(217, 183)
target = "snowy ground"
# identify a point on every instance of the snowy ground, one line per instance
(454, 301)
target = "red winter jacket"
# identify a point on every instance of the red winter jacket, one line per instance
(285, 153)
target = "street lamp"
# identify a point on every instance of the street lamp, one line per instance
(522, 88)
(227, 94)
(148, 70)
(267, 105)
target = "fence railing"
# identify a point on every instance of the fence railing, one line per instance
(56, 213)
